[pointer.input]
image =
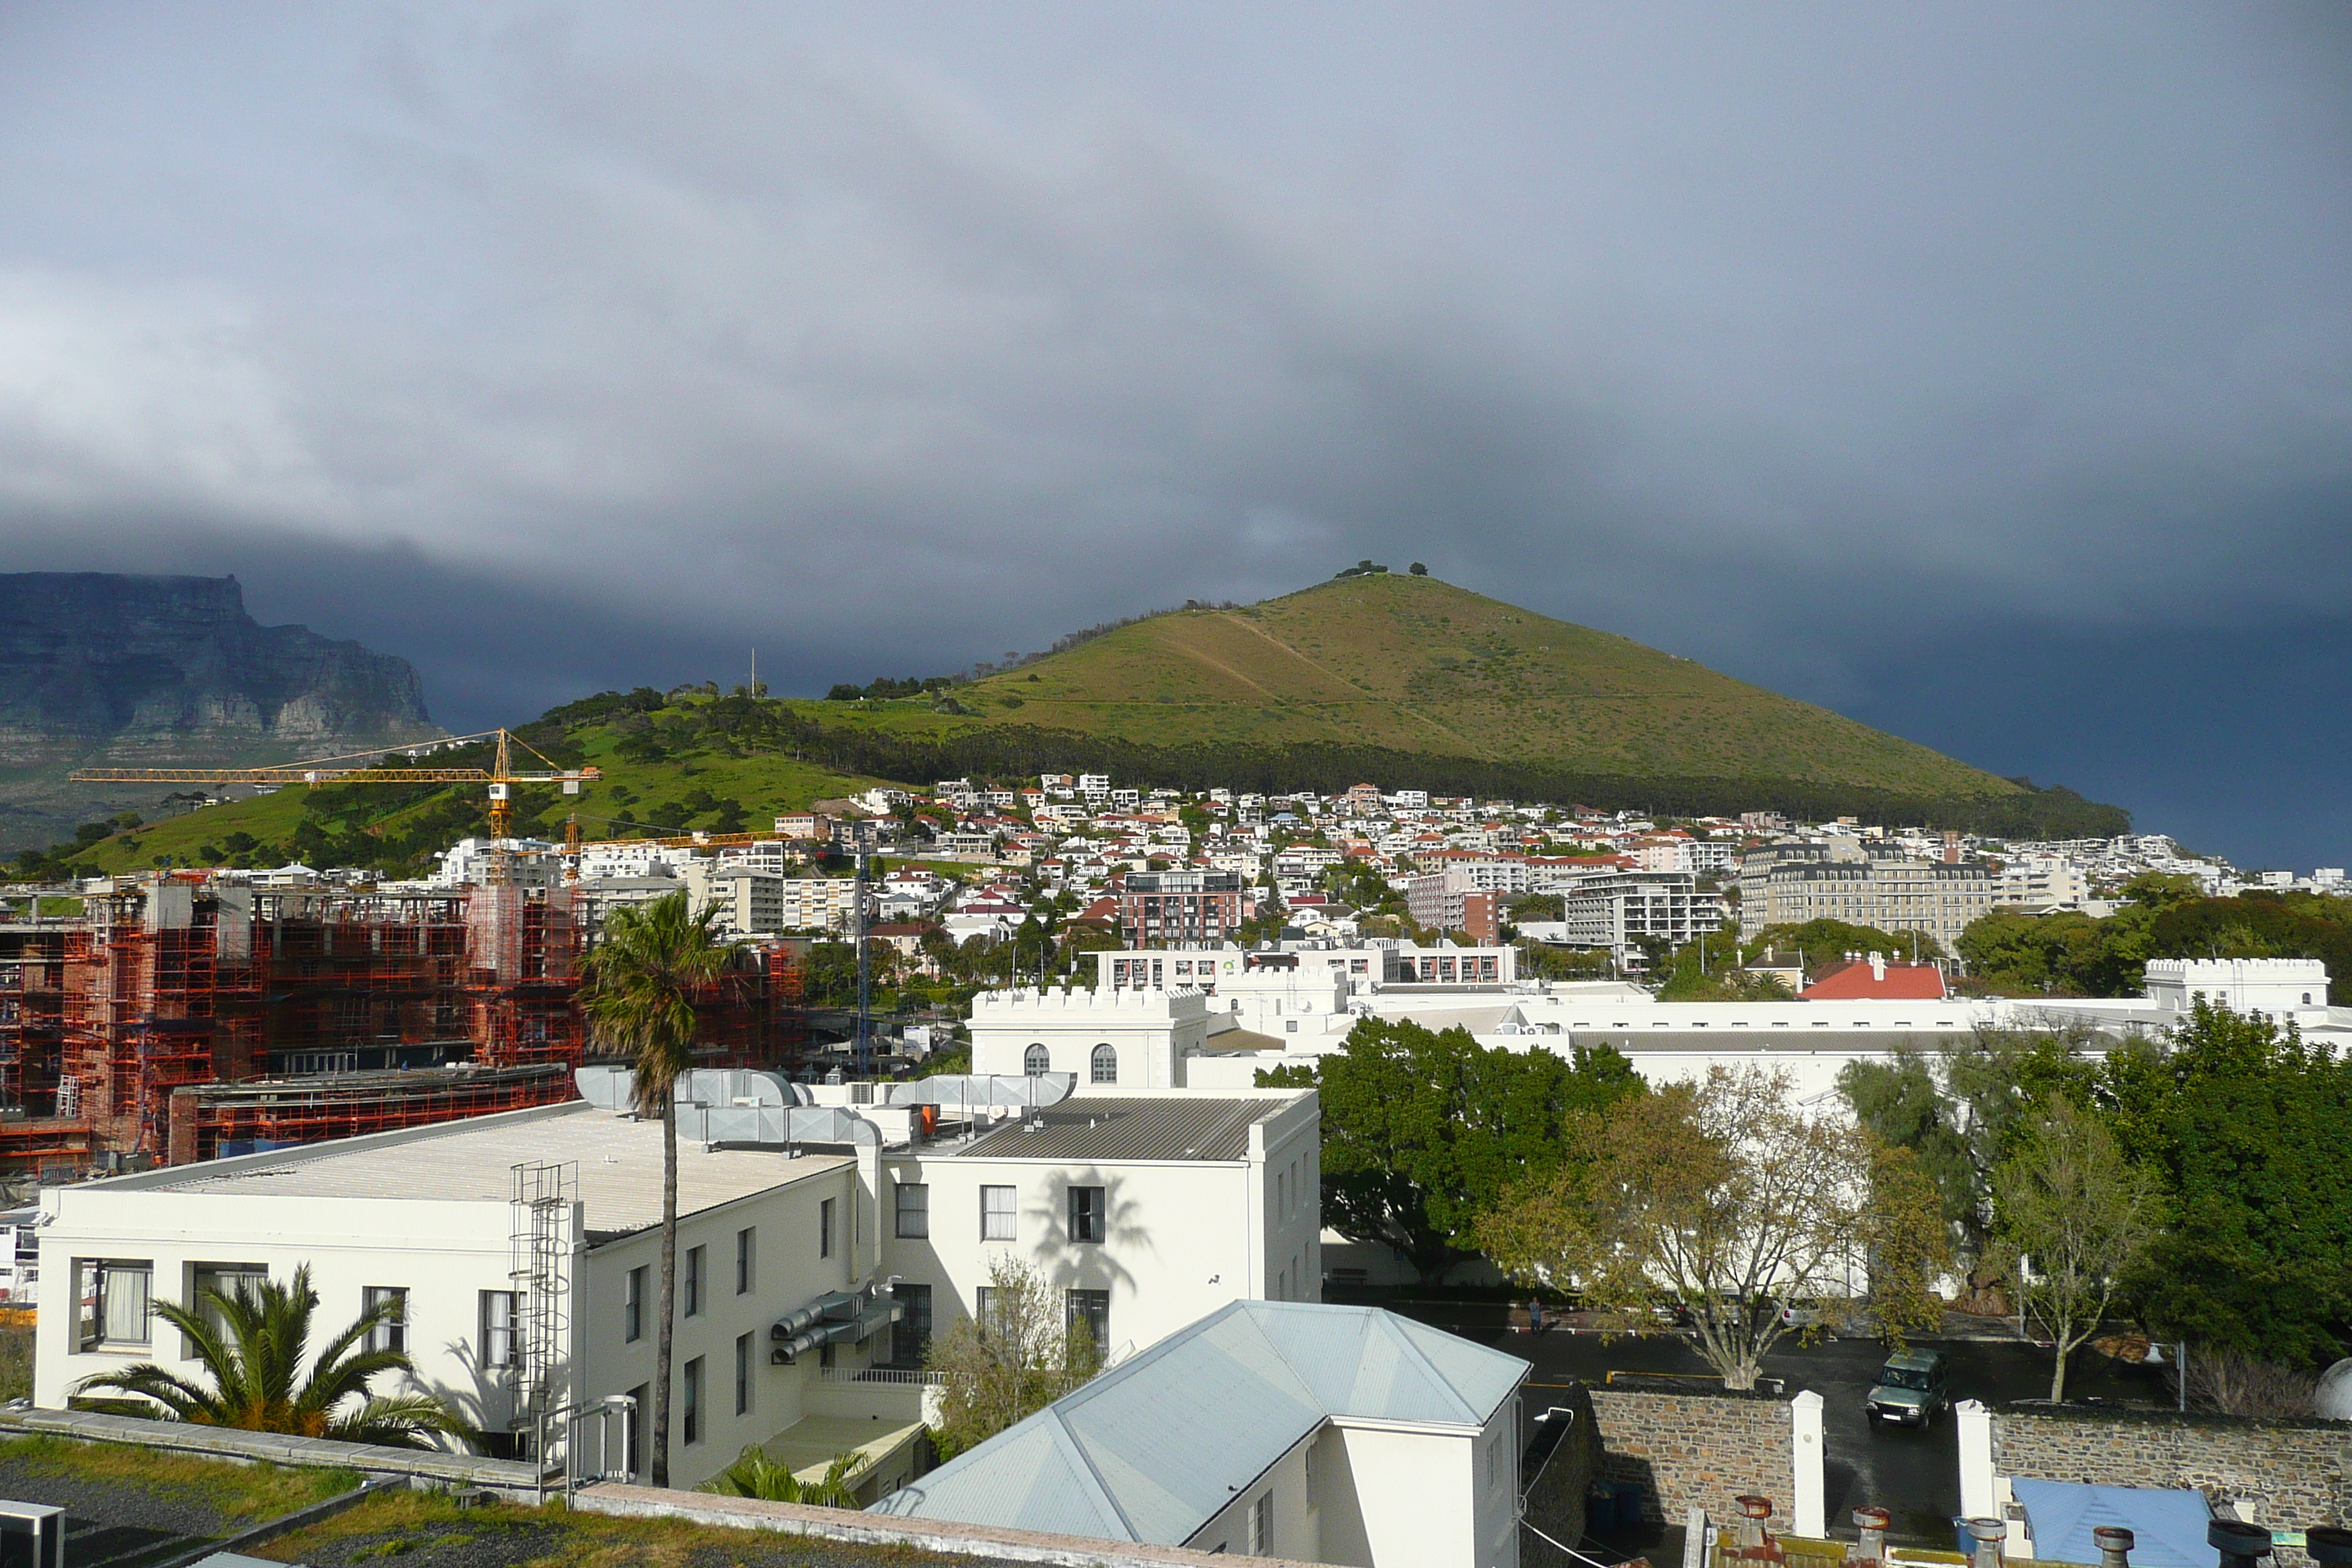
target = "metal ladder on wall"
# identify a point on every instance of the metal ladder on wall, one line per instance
(544, 1198)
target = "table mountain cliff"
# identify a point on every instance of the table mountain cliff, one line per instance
(100, 669)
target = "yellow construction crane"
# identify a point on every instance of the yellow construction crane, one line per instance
(501, 776)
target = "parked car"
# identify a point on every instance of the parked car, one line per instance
(1913, 1389)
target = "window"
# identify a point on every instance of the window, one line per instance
(693, 1283)
(914, 1210)
(641, 1411)
(392, 1333)
(1104, 1067)
(690, 1399)
(632, 1307)
(747, 1245)
(984, 1303)
(114, 1301)
(1090, 1310)
(1036, 1061)
(501, 1330)
(742, 1374)
(996, 1221)
(1261, 1526)
(226, 1281)
(825, 1228)
(1086, 1213)
(910, 1336)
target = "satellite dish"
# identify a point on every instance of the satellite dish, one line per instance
(2333, 1397)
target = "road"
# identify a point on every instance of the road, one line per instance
(1915, 1476)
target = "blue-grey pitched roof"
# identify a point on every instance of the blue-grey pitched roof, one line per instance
(1155, 1447)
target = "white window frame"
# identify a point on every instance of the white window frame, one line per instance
(1000, 1223)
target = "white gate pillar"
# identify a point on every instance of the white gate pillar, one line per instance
(1805, 1456)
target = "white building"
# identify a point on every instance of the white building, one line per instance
(817, 903)
(1312, 1433)
(747, 900)
(2282, 987)
(524, 862)
(1145, 1208)
(800, 1260)
(1615, 910)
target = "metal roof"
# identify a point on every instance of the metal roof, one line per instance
(1157, 1447)
(2168, 1524)
(619, 1159)
(1107, 1127)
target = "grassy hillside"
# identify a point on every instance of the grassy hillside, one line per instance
(1412, 664)
(702, 782)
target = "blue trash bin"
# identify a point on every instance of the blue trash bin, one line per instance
(1629, 1504)
(1967, 1543)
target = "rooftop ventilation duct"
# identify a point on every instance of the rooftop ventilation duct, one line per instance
(986, 1089)
(615, 1088)
(836, 1316)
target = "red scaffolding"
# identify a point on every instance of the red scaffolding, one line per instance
(180, 983)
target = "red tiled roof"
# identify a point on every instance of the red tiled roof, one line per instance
(1854, 981)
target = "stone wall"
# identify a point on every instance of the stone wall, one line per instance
(2299, 1473)
(1557, 1471)
(1705, 1447)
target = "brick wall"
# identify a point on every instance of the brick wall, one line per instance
(2298, 1472)
(1698, 1448)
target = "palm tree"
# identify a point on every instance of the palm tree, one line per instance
(754, 1474)
(638, 996)
(253, 1343)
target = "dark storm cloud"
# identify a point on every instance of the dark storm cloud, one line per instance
(577, 346)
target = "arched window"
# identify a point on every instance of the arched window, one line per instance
(1106, 1065)
(1035, 1061)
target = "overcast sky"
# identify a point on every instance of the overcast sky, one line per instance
(1984, 373)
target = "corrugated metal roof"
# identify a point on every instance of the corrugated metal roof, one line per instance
(1155, 1447)
(1108, 1128)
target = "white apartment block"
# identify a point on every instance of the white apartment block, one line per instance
(1615, 910)
(814, 1243)
(1787, 884)
(817, 903)
(747, 900)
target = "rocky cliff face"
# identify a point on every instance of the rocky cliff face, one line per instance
(97, 669)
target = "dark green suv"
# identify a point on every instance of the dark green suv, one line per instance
(1913, 1389)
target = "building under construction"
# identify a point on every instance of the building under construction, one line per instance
(185, 1015)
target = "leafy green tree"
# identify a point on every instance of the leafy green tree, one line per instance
(1424, 1132)
(2247, 1130)
(2075, 1220)
(638, 996)
(755, 1475)
(1824, 942)
(1961, 1112)
(252, 1344)
(2011, 952)
(1029, 1352)
(1730, 1200)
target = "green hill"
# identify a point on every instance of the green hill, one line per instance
(1403, 681)
(1410, 682)
(1412, 664)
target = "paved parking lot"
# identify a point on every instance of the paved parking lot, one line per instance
(1914, 1475)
